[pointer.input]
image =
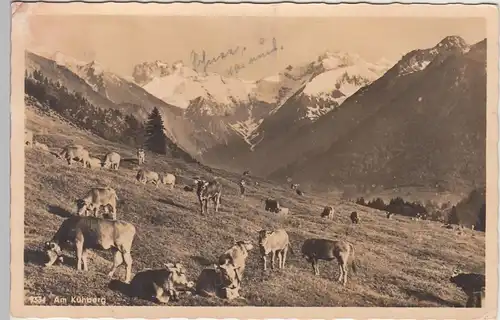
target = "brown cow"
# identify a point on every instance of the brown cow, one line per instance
(94, 233)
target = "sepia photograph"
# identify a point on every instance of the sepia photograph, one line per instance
(248, 155)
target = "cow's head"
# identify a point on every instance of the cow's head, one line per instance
(81, 207)
(227, 272)
(178, 275)
(53, 251)
(263, 237)
(247, 244)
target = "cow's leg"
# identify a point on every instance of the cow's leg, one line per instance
(217, 203)
(341, 269)
(201, 205)
(128, 261)
(344, 267)
(160, 294)
(280, 259)
(273, 256)
(316, 266)
(285, 251)
(84, 259)
(96, 209)
(205, 203)
(79, 254)
(113, 211)
(264, 259)
(117, 261)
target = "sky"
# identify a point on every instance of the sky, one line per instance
(120, 42)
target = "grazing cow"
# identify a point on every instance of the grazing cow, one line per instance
(94, 163)
(28, 138)
(283, 210)
(328, 212)
(354, 217)
(141, 156)
(219, 281)
(324, 249)
(160, 284)
(275, 241)
(75, 152)
(246, 173)
(272, 205)
(94, 233)
(237, 256)
(111, 160)
(188, 188)
(144, 176)
(96, 198)
(294, 186)
(299, 192)
(206, 191)
(41, 146)
(471, 283)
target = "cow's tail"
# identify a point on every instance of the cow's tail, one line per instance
(353, 260)
(291, 248)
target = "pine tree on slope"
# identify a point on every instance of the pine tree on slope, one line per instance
(156, 140)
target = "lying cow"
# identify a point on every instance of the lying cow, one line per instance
(272, 205)
(75, 152)
(160, 284)
(327, 212)
(299, 192)
(324, 249)
(94, 163)
(354, 217)
(144, 176)
(220, 281)
(389, 215)
(94, 233)
(283, 210)
(96, 198)
(111, 160)
(168, 179)
(472, 284)
(207, 191)
(237, 256)
(274, 242)
(294, 186)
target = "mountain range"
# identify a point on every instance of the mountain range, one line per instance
(338, 120)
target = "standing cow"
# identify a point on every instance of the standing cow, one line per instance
(141, 156)
(144, 176)
(324, 249)
(111, 160)
(207, 191)
(75, 152)
(274, 242)
(96, 198)
(354, 217)
(328, 212)
(94, 233)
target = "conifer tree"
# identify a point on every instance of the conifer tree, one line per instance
(156, 140)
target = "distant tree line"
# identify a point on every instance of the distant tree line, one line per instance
(110, 124)
(469, 211)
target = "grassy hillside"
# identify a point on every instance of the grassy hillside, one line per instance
(401, 262)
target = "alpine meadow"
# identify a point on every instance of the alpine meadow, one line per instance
(339, 165)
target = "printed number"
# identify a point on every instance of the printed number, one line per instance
(37, 300)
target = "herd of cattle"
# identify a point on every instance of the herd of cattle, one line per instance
(83, 232)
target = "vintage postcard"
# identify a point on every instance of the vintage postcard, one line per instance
(254, 160)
